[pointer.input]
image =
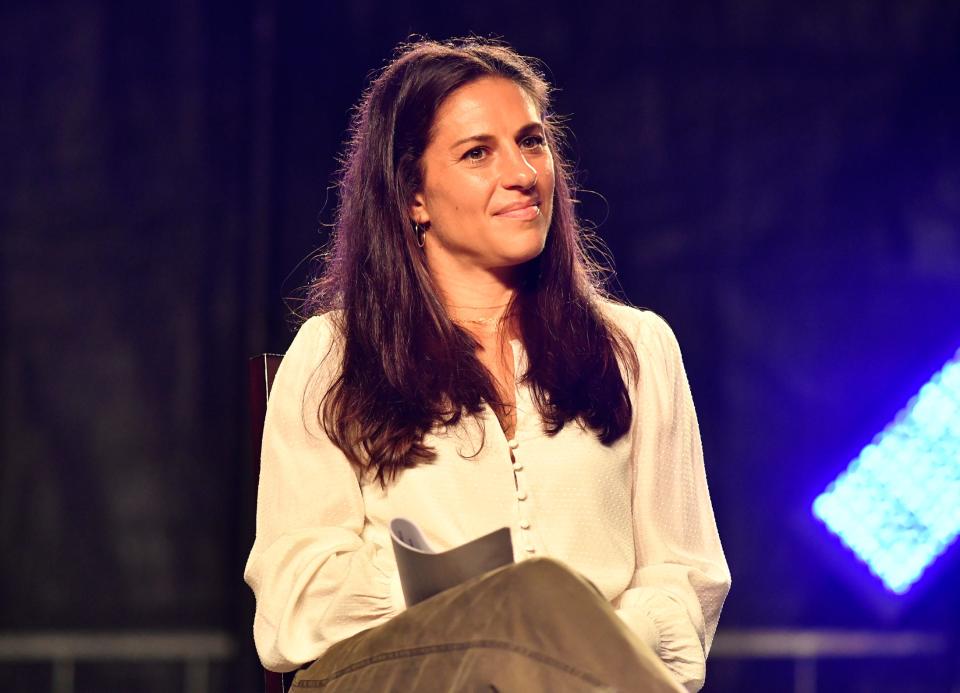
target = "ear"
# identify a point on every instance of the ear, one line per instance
(418, 209)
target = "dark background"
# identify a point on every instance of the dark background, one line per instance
(781, 181)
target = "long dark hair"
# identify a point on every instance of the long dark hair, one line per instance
(406, 367)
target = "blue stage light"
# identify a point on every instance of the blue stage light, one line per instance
(897, 505)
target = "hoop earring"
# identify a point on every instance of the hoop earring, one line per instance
(420, 233)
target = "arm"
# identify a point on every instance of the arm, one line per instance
(316, 581)
(681, 577)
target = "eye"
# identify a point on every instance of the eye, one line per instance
(533, 142)
(476, 154)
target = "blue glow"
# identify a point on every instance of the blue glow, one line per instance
(897, 505)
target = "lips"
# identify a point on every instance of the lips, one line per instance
(525, 209)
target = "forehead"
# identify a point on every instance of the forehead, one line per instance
(484, 106)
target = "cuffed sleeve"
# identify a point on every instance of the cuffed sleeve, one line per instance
(681, 578)
(315, 579)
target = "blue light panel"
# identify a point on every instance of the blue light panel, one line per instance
(897, 505)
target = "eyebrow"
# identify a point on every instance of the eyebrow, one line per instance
(525, 130)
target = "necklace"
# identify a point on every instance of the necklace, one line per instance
(479, 321)
(490, 320)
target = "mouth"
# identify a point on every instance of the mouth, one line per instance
(527, 210)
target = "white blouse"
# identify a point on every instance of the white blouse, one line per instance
(634, 517)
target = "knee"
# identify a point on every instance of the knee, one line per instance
(542, 568)
(538, 578)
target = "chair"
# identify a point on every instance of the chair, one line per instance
(262, 370)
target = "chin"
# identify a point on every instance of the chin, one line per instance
(520, 256)
(520, 246)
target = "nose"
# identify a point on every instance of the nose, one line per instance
(518, 172)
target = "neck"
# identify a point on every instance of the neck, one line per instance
(475, 300)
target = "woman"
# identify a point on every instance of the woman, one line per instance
(462, 369)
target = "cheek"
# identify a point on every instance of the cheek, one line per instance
(547, 181)
(441, 203)
(463, 194)
(546, 169)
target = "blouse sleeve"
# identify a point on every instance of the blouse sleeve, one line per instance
(316, 581)
(681, 577)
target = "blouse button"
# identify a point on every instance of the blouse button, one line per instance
(521, 495)
(513, 444)
(524, 524)
(517, 466)
(530, 549)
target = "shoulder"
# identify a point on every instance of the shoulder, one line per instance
(316, 334)
(313, 352)
(648, 332)
(661, 370)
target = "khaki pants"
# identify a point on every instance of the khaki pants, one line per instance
(532, 626)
